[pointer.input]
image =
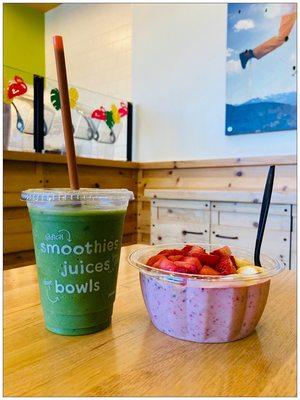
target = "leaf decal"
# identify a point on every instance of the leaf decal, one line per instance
(109, 119)
(73, 96)
(54, 97)
(115, 114)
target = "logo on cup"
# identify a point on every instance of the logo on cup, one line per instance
(62, 234)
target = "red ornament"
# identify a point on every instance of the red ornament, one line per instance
(123, 110)
(16, 87)
(99, 114)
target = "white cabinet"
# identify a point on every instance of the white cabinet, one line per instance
(225, 222)
(176, 221)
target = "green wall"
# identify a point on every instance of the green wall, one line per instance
(24, 38)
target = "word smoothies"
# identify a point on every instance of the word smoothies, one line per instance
(88, 248)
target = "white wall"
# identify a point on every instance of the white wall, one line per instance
(178, 87)
(97, 39)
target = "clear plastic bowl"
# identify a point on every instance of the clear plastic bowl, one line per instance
(204, 308)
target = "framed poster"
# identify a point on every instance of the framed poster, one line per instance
(261, 68)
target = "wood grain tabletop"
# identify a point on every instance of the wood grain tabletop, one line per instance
(132, 358)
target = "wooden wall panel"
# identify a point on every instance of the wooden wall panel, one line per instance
(20, 175)
(219, 178)
(56, 176)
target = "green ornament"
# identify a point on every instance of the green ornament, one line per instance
(109, 119)
(55, 99)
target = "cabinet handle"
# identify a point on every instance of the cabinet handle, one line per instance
(227, 237)
(194, 233)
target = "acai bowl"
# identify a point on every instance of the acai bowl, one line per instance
(204, 308)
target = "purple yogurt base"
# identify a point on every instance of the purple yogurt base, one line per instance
(203, 313)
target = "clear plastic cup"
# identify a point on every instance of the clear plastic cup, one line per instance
(204, 308)
(77, 238)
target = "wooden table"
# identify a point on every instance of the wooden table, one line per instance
(132, 358)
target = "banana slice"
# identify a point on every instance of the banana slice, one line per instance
(249, 270)
(242, 262)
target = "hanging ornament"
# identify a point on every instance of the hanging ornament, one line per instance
(54, 97)
(123, 110)
(115, 114)
(73, 96)
(109, 119)
(17, 87)
(99, 114)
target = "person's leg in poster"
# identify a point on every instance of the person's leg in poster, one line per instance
(287, 22)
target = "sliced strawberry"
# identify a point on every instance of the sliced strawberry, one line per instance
(185, 251)
(175, 258)
(152, 260)
(208, 259)
(222, 251)
(192, 261)
(225, 266)
(167, 265)
(196, 251)
(158, 262)
(170, 252)
(206, 270)
(181, 265)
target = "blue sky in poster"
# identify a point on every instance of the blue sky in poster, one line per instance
(271, 74)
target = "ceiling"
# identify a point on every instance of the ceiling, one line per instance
(44, 7)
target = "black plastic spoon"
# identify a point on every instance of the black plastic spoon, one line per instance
(264, 214)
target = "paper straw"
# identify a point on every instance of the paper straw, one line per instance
(65, 111)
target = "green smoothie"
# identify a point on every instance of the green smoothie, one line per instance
(77, 251)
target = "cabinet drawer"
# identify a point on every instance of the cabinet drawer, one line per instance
(276, 209)
(166, 214)
(181, 231)
(174, 221)
(186, 204)
(275, 243)
(250, 220)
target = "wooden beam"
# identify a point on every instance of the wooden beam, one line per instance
(61, 159)
(221, 162)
